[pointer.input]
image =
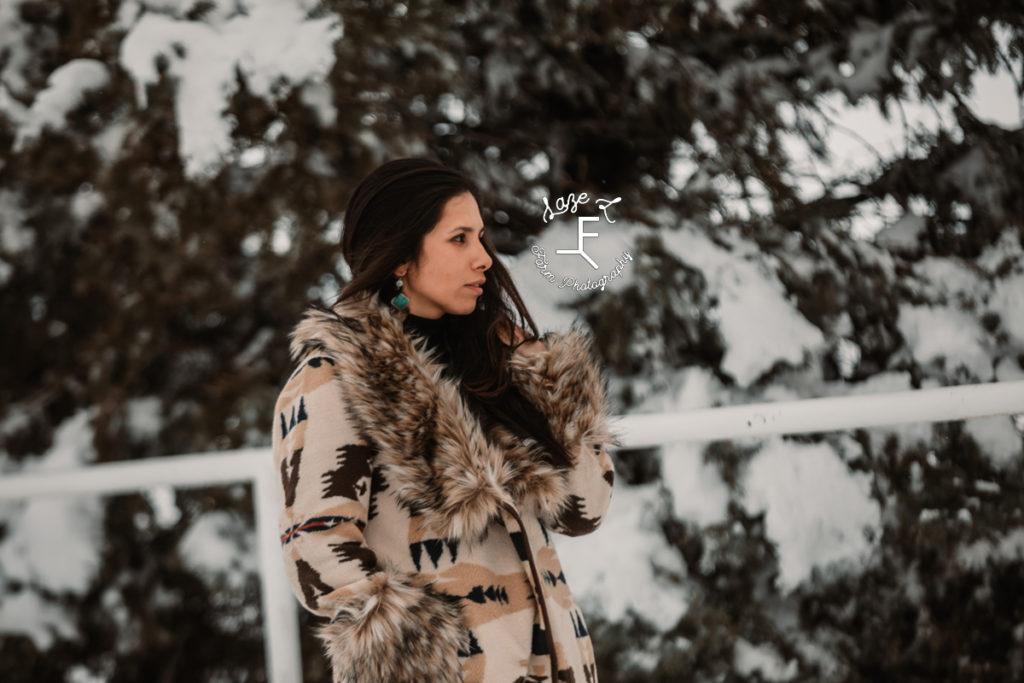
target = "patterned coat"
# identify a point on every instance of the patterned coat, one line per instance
(425, 542)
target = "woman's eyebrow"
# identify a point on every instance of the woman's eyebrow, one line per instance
(463, 228)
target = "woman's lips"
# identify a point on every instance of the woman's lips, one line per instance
(477, 289)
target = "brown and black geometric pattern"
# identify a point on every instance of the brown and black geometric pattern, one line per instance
(311, 584)
(347, 480)
(574, 519)
(290, 476)
(356, 551)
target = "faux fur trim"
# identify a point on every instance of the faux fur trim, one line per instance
(439, 461)
(400, 631)
(567, 386)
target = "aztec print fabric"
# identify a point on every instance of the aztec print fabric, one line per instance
(425, 542)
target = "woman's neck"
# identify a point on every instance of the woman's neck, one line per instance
(429, 327)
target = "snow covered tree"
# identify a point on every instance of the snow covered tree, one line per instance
(172, 177)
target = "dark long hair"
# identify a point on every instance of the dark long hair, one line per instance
(386, 219)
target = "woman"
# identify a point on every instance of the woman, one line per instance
(426, 453)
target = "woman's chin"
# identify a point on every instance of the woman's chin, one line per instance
(463, 307)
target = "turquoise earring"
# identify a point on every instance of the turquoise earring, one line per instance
(401, 300)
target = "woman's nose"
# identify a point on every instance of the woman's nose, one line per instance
(483, 258)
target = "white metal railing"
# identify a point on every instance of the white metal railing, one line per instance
(807, 416)
(253, 466)
(280, 618)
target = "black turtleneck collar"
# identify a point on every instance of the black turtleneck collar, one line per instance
(427, 326)
(431, 328)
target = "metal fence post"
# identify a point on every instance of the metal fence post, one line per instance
(280, 609)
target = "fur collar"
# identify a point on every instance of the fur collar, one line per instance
(438, 461)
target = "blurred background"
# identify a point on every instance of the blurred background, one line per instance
(816, 199)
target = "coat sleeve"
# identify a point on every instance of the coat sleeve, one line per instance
(564, 381)
(384, 625)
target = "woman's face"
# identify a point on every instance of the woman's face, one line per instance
(451, 261)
